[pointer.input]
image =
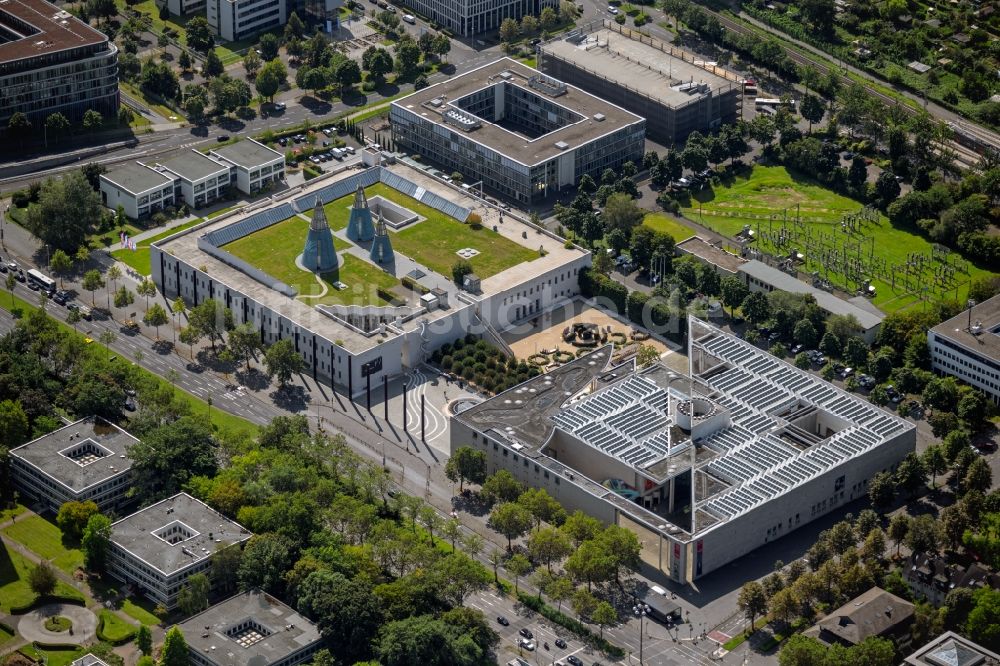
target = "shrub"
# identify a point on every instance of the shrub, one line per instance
(20, 199)
(446, 362)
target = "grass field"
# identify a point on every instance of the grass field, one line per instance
(45, 540)
(666, 224)
(114, 628)
(137, 611)
(14, 589)
(6, 633)
(56, 656)
(769, 191)
(434, 241)
(139, 258)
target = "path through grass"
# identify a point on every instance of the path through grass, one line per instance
(46, 540)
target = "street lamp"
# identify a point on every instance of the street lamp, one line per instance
(640, 610)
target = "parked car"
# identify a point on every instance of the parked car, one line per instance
(20, 276)
(409, 18)
(502, 620)
(60, 297)
(222, 138)
(613, 10)
(328, 131)
(349, 150)
(575, 660)
(279, 106)
(282, 141)
(561, 644)
(528, 645)
(526, 633)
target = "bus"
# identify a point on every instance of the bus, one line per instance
(773, 103)
(44, 282)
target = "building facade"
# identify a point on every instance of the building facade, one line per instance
(51, 61)
(472, 17)
(156, 549)
(238, 19)
(704, 468)
(182, 7)
(523, 135)
(198, 179)
(137, 188)
(676, 91)
(250, 629)
(85, 460)
(252, 165)
(967, 347)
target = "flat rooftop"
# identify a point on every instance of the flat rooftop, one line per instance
(779, 279)
(639, 66)
(248, 153)
(433, 102)
(951, 649)
(137, 178)
(176, 533)
(247, 628)
(192, 165)
(716, 256)
(984, 339)
(184, 246)
(81, 454)
(31, 28)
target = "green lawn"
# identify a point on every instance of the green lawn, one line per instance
(6, 633)
(138, 259)
(275, 248)
(114, 628)
(136, 610)
(59, 656)
(434, 240)
(217, 213)
(669, 225)
(45, 540)
(14, 589)
(763, 199)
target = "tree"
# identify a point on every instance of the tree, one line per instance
(407, 57)
(14, 427)
(167, 457)
(734, 291)
(549, 545)
(511, 520)
(252, 62)
(829, 344)
(924, 535)
(184, 60)
(18, 124)
(96, 541)
(622, 213)
(271, 78)
(459, 270)
(209, 318)
(604, 615)
(646, 356)
(509, 31)
(294, 27)
(422, 639)
(973, 408)
(56, 123)
(756, 308)
(812, 109)
(518, 566)
(984, 619)
(346, 74)
(175, 650)
(282, 361)
(73, 516)
(68, 210)
(156, 316)
(92, 281)
(269, 45)
(92, 120)
(978, 478)
(123, 297)
(752, 601)
(42, 579)
(502, 487)
(886, 189)
(265, 560)
(441, 46)
(784, 605)
(466, 464)
(213, 64)
(144, 640)
(858, 173)
(244, 342)
(377, 62)
(911, 473)
(193, 597)
(199, 34)
(935, 462)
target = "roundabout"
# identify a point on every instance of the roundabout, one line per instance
(75, 625)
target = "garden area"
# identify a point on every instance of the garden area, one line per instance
(483, 364)
(138, 259)
(667, 224)
(46, 540)
(14, 589)
(774, 202)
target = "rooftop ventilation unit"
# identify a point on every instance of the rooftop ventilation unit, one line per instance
(464, 121)
(599, 117)
(506, 75)
(562, 145)
(546, 85)
(692, 88)
(436, 102)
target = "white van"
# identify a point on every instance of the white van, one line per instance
(409, 18)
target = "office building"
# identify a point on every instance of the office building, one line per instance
(704, 467)
(967, 346)
(523, 134)
(139, 189)
(234, 20)
(950, 649)
(52, 61)
(182, 7)
(198, 179)
(473, 17)
(86, 460)
(156, 549)
(676, 91)
(250, 629)
(253, 165)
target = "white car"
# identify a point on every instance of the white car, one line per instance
(613, 11)
(279, 106)
(527, 644)
(409, 18)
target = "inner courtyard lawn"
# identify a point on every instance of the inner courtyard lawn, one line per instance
(275, 248)
(773, 192)
(434, 241)
(46, 540)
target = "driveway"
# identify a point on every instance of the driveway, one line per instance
(32, 626)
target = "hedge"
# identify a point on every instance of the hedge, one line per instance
(410, 283)
(536, 604)
(387, 295)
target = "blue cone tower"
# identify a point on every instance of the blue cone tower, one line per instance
(319, 254)
(381, 252)
(360, 228)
